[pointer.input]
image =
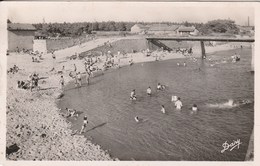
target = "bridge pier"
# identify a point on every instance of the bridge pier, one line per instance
(253, 58)
(203, 52)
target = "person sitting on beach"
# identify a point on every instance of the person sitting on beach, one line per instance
(136, 119)
(178, 103)
(174, 98)
(163, 109)
(71, 112)
(132, 95)
(194, 108)
(85, 122)
(149, 91)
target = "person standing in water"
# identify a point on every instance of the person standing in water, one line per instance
(149, 91)
(178, 104)
(85, 122)
(163, 109)
(79, 78)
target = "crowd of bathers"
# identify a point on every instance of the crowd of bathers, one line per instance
(160, 87)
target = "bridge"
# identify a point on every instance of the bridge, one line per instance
(201, 39)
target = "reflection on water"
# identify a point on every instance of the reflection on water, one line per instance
(176, 135)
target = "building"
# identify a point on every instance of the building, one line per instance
(139, 28)
(183, 30)
(162, 29)
(20, 36)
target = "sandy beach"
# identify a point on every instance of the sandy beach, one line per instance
(35, 124)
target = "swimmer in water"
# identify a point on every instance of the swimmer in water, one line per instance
(184, 64)
(163, 109)
(178, 104)
(132, 95)
(178, 64)
(194, 108)
(149, 91)
(174, 98)
(136, 119)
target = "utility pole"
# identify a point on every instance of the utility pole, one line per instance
(248, 21)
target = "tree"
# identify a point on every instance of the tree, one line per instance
(220, 26)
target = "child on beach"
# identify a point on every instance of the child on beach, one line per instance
(85, 122)
(178, 104)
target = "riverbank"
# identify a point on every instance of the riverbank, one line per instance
(35, 124)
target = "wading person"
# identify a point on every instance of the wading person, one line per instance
(163, 109)
(132, 95)
(79, 78)
(85, 122)
(178, 104)
(149, 91)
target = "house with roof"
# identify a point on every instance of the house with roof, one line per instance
(162, 29)
(183, 30)
(139, 28)
(20, 36)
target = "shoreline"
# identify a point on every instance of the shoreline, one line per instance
(34, 121)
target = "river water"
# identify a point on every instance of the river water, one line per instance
(176, 135)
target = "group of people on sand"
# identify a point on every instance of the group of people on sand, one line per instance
(30, 83)
(13, 70)
(177, 100)
(74, 113)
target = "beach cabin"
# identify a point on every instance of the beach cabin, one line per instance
(183, 30)
(20, 36)
(139, 29)
(163, 29)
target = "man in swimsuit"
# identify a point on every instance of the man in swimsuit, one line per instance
(85, 122)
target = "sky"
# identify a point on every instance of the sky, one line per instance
(35, 12)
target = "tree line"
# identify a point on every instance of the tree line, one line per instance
(79, 28)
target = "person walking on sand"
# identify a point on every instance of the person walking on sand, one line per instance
(149, 91)
(62, 82)
(54, 59)
(178, 104)
(85, 122)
